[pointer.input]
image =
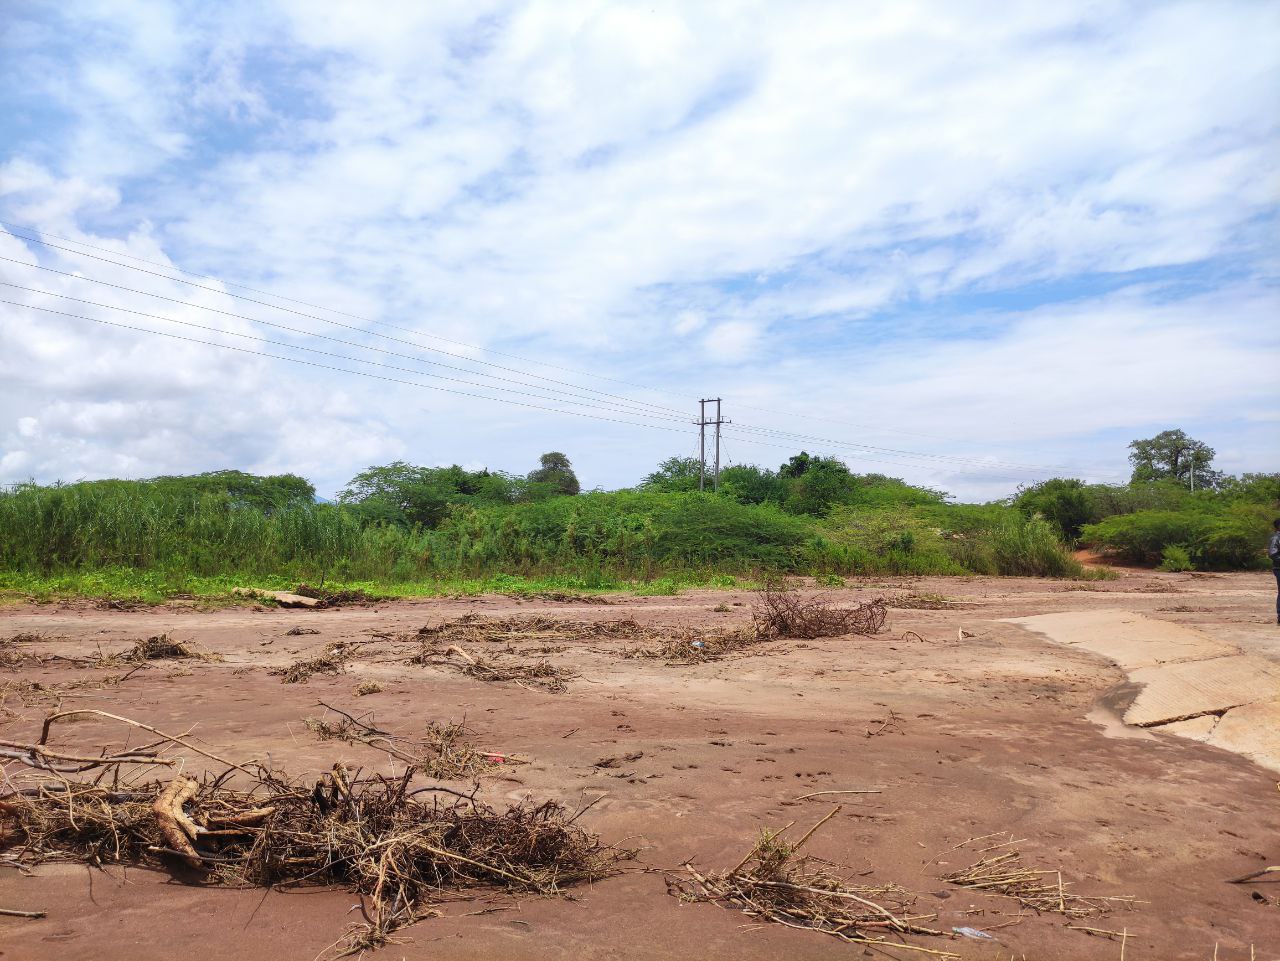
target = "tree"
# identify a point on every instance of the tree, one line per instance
(1062, 501)
(265, 493)
(405, 494)
(674, 474)
(797, 465)
(748, 484)
(1172, 455)
(556, 471)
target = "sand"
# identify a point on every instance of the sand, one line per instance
(1005, 730)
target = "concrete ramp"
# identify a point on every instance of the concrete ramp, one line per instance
(1252, 730)
(1129, 639)
(1176, 692)
(1193, 685)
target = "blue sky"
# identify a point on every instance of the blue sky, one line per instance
(968, 250)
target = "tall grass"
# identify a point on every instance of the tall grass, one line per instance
(593, 539)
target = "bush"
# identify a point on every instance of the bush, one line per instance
(1062, 502)
(1213, 535)
(1175, 558)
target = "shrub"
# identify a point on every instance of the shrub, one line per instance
(1214, 536)
(1176, 558)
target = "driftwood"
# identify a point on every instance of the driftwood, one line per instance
(174, 826)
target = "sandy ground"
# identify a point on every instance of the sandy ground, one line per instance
(1002, 729)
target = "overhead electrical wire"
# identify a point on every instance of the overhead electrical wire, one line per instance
(602, 400)
(308, 333)
(367, 320)
(942, 458)
(341, 370)
(323, 320)
(584, 402)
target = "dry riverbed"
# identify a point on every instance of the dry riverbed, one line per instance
(1122, 733)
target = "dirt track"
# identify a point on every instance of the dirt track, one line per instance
(1001, 731)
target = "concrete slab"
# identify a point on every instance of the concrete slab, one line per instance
(1131, 640)
(1252, 730)
(1174, 692)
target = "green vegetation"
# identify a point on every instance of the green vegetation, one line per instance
(1158, 518)
(400, 529)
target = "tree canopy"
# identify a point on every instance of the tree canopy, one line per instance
(1172, 455)
(554, 469)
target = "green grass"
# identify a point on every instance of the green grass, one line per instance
(146, 541)
(156, 587)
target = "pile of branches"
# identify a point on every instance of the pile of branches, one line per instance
(772, 884)
(374, 835)
(331, 660)
(559, 597)
(674, 644)
(162, 648)
(1043, 891)
(474, 629)
(443, 751)
(781, 612)
(541, 674)
(924, 602)
(400, 848)
(690, 645)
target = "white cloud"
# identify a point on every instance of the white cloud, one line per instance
(800, 186)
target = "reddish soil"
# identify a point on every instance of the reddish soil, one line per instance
(994, 736)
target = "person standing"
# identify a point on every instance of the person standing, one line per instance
(1273, 551)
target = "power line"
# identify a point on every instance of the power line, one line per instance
(616, 400)
(324, 353)
(874, 458)
(946, 458)
(341, 370)
(568, 399)
(230, 283)
(308, 333)
(323, 320)
(841, 421)
(382, 377)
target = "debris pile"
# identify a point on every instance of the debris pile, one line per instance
(771, 884)
(474, 629)
(443, 751)
(398, 847)
(331, 660)
(781, 612)
(924, 602)
(541, 674)
(328, 598)
(1043, 891)
(162, 648)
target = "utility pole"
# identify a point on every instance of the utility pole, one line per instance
(703, 423)
(702, 444)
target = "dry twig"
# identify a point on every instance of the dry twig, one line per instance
(770, 883)
(1005, 874)
(781, 612)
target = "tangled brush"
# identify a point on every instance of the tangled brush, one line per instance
(399, 847)
(162, 647)
(540, 674)
(442, 751)
(772, 884)
(374, 835)
(1041, 890)
(781, 612)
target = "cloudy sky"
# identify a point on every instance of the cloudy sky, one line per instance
(964, 248)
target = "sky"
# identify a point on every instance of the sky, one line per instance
(969, 250)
